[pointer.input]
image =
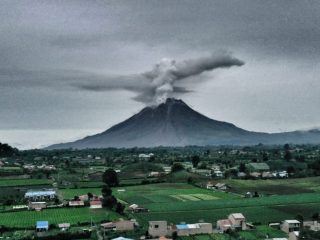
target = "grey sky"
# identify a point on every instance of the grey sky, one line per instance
(48, 48)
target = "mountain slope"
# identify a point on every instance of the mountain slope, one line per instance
(174, 123)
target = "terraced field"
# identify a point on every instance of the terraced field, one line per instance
(23, 182)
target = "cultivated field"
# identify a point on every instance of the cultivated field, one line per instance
(27, 219)
(276, 186)
(23, 182)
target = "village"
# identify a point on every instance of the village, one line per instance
(201, 195)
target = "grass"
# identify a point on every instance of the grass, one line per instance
(23, 182)
(276, 186)
(167, 193)
(27, 219)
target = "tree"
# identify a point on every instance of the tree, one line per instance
(109, 202)
(242, 167)
(195, 159)
(119, 208)
(287, 155)
(315, 216)
(106, 191)
(90, 195)
(176, 167)
(110, 178)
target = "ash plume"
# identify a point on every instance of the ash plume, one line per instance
(155, 86)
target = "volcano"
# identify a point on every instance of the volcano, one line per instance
(174, 123)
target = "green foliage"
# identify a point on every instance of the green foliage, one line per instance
(176, 167)
(110, 178)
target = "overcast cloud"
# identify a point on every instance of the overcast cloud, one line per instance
(55, 55)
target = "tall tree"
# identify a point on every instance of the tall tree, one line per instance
(195, 159)
(110, 178)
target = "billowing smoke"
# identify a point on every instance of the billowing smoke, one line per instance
(155, 86)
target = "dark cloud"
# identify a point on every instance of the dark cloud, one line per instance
(66, 47)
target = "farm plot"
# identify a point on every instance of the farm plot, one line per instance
(27, 219)
(167, 193)
(23, 182)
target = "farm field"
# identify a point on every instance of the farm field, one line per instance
(27, 219)
(255, 214)
(276, 186)
(23, 182)
(154, 193)
(167, 193)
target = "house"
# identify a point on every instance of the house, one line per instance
(38, 206)
(154, 174)
(95, 204)
(121, 238)
(238, 221)
(292, 227)
(135, 208)
(42, 226)
(283, 174)
(64, 226)
(122, 225)
(217, 173)
(146, 156)
(45, 194)
(224, 224)
(161, 228)
(234, 221)
(158, 228)
(193, 229)
(76, 203)
(210, 185)
(84, 197)
(312, 225)
(255, 174)
(221, 186)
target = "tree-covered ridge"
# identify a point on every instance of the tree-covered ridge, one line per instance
(6, 150)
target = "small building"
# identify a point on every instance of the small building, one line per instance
(38, 206)
(237, 220)
(210, 185)
(76, 203)
(95, 204)
(42, 226)
(221, 186)
(217, 173)
(312, 225)
(234, 221)
(45, 194)
(290, 226)
(158, 228)
(121, 238)
(64, 226)
(122, 225)
(193, 229)
(136, 209)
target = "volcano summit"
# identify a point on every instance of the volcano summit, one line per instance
(174, 123)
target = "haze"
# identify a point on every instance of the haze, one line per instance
(51, 51)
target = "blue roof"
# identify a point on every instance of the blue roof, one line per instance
(182, 226)
(121, 238)
(42, 224)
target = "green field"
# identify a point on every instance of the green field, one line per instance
(167, 193)
(26, 219)
(23, 182)
(276, 186)
(154, 193)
